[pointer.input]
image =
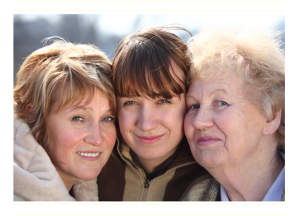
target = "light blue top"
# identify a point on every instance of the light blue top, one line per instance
(274, 193)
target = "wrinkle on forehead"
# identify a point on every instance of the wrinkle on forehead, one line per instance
(230, 86)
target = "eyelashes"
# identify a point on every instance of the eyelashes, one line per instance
(218, 104)
(82, 119)
(193, 107)
(129, 103)
(109, 119)
(78, 118)
(163, 101)
(222, 103)
(160, 101)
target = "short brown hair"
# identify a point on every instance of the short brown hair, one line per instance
(143, 60)
(78, 68)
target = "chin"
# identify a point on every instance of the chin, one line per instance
(87, 176)
(209, 160)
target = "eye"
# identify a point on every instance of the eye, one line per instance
(78, 118)
(108, 119)
(193, 107)
(222, 103)
(129, 103)
(163, 101)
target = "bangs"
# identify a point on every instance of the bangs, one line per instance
(78, 83)
(76, 94)
(147, 71)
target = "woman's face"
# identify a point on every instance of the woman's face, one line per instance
(222, 125)
(82, 136)
(152, 128)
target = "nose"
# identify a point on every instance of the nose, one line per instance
(94, 135)
(147, 119)
(203, 118)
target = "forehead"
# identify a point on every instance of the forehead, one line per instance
(209, 87)
(163, 79)
(65, 98)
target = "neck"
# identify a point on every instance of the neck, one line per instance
(68, 180)
(151, 164)
(68, 184)
(249, 180)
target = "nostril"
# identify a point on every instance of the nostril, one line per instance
(94, 138)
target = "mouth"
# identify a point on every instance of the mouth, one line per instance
(207, 140)
(89, 154)
(149, 139)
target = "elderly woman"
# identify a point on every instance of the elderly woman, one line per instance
(64, 129)
(235, 120)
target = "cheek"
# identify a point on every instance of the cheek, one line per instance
(174, 118)
(63, 139)
(188, 128)
(126, 120)
(237, 128)
(111, 136)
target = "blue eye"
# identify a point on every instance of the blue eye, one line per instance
(129, 103)
(193, 107)
(222, 103)
(77, 118)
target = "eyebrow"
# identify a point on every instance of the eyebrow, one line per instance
(216, 90)
(86, 108)
(80, 107)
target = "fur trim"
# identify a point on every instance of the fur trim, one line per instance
(35, 177)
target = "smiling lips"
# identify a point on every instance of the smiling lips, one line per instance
(89, 155)
(149, 139)
(207, 140)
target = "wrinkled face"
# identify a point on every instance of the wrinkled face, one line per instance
(83, 136)
(152, 128)
(222, 125)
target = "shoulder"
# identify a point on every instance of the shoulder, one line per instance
(283, 194)
(19, 198)
(204, 188)
(85, 190)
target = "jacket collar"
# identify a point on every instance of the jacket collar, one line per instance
(35, 177)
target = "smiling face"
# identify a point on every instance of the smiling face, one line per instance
(82, 137)
(222, 126)
(152, 128)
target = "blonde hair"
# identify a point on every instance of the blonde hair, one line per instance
(78, 68)
(253, 54)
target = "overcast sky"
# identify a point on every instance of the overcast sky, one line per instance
(122, 23)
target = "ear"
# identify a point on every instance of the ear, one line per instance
(29, 108)
(272, 125)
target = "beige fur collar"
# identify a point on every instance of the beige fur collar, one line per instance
(35, 177)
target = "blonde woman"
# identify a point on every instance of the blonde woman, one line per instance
(235, 120)
(64, 129)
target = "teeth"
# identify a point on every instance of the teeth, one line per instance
(88, 154)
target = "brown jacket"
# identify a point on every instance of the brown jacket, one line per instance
(122, 180)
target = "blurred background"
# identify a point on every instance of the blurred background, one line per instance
(106, 30)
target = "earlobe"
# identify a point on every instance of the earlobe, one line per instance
(272, 125)
(29, 108)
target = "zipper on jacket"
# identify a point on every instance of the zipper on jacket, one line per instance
(146, 183)
(146, 188)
